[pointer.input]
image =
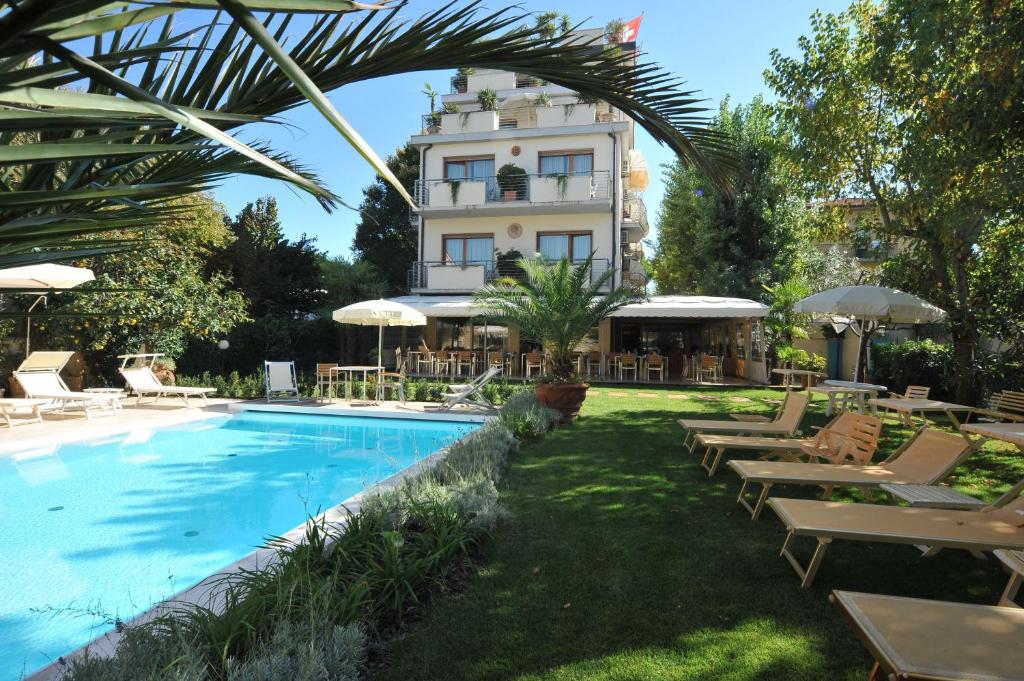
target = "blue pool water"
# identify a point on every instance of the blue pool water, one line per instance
(110, 527)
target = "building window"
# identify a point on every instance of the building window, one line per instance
(469, 250)
(473, 169)
(567, 163)
(575, 247)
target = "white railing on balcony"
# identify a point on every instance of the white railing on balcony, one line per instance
(535, 188)
(468, 276)
(518, 117)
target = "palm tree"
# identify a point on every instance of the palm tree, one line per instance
(107, 111)
(557, 305)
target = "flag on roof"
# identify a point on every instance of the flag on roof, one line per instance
(630, 30)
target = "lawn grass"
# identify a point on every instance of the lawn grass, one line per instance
(623, 560)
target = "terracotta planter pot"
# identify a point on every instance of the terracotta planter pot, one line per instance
(566, 398)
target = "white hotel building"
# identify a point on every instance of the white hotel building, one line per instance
(575, 190)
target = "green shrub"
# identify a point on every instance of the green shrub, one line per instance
(926, 362)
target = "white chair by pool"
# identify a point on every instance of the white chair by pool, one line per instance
(31, 409)
(142, 381)
(39, 376)
(282, 384)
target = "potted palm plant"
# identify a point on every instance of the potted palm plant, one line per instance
(556, 304)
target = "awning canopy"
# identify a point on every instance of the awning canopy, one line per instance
(688, 307)
(694, 307)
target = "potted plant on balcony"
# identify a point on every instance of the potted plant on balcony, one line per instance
(487, 99)
(511, 181)
(556, 305)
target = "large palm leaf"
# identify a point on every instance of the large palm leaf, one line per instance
(106, 111)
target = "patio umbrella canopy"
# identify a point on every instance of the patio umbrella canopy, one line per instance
(379, 313)
(868, 308)
(45, 277)
(39, 279)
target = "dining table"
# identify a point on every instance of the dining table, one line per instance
(840, 393)
(350, 371)
(912, 406)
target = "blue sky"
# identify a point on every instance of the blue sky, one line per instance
(719, 48)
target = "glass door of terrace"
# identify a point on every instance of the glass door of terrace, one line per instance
(477, 169)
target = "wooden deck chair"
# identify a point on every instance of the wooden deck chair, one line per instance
(1013, 561)
(927, 458)
(999, 526)
(1006, 405)
(853, 439)
(471, 393)
(784, 425)
(848, 437)
(281, 382)
(914, 638)
(913, 392)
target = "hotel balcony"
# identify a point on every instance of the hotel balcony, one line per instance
(520, 195)
(452, 277)
(634, 220)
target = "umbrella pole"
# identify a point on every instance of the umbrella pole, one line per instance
(380, 346)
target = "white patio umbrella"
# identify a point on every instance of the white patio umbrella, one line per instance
(868, 308)
(41, 278)
(379, 313)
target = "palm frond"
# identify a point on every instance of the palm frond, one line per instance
(181, 98)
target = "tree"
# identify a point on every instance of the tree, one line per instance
(386, 235)
(164, 296)
(736, 243)
(156, 111)
(913, 105)
(277, 276)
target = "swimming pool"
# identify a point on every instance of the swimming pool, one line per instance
(110, 527)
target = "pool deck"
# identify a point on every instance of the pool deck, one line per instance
(58, 428)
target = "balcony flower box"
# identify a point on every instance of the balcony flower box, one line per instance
(469, 193)
(546, 189)
(473, 121)
(455, 277)
(567, 114)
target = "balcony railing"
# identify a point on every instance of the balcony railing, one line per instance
(468, 276)
(634, 210)
(532, 188)
(520, 117)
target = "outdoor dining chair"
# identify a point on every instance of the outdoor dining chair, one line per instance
(393, 381)
(464, 360)
(656, 362)
(534, 360)
(594, 363)
(497, 359)
(627, 364)
(442, 362)
(323, 379)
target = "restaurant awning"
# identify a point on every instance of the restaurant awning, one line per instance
(693, 307)
(690, 307)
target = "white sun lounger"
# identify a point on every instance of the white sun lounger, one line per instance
(46, 384)
(281, 382)
(32, 409)
(143, 382)
(471, 393)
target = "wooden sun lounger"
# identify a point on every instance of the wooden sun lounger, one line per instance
(925, 459)
(935, 528)
(716, 446)
(785, 425)
(913, 638)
